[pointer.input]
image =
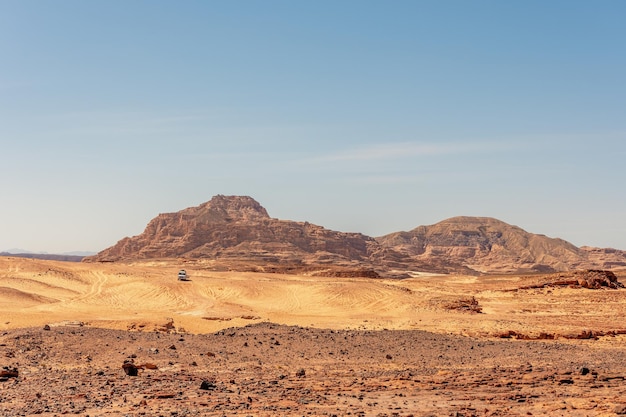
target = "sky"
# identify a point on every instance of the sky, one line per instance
(356, 115)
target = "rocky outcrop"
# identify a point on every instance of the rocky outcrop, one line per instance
(591, 279)
(239, 233)
(239, 228)
(468, 305)
(484, 244)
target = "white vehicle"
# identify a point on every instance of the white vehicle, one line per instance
(182, 275)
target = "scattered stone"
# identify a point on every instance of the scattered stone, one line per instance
(468, 305)
(476, 376)
(208, 385)
(7, 373)
(46, 327)
(129, 368)
(163, 395)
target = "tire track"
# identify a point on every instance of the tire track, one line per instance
(96, 287)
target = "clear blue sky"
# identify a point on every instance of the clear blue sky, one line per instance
(368, 116)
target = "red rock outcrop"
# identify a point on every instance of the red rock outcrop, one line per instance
(591, 279)
(233, 227)
(238, 232)
(485, 244)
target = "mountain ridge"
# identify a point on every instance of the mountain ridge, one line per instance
(238, 231)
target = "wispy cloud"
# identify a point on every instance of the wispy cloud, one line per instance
(398, 150)
(383, 179)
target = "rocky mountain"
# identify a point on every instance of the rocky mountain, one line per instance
(238, 233)
(485, 244)
(239, 229)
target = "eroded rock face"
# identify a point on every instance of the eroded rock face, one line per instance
(591, 278)
(596, 279)
(605, 258)
(485, 244)
(238, 231)
(238, 228)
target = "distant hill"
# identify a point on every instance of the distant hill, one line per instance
(81, 253)
(75, 256)
(237, 232)
(47, 256)
(486, 244)
(15, 251)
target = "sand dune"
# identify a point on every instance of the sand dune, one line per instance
(12, 296)
(148, 295)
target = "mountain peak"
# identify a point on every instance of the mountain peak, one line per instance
(472, 222)
(228, 208)
(237, 228)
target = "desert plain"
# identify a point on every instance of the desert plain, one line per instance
(122, 339)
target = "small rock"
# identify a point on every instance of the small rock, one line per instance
(130, 369)
(46, 327)
(208, 385)
(300, 372)
(7, 373)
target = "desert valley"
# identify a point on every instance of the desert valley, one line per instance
(468, 317)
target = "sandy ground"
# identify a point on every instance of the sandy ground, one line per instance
(367, 347)
(34, 293)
